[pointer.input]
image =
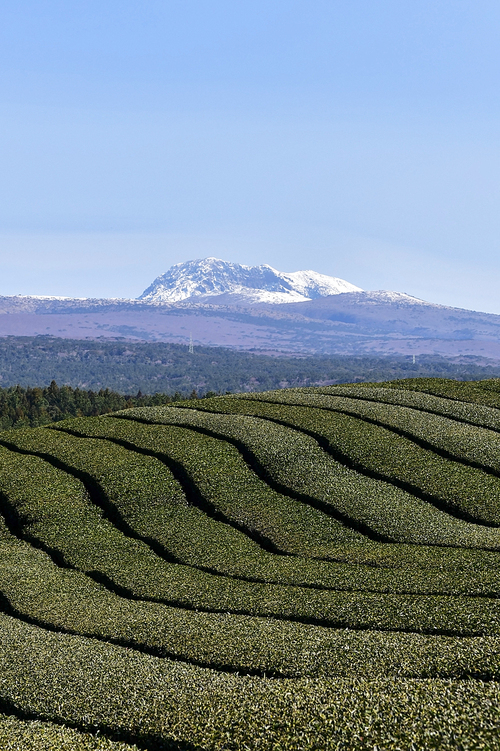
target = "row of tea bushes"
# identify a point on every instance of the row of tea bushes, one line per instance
(55, 512)
(478, 568)
(217, 475)
(139, 488)
(370, 554)
(475, 414)
(485, 392)
(51, 508)
(136, 568)
(460, 441)
(295, 462)
(47, 506)
(69, 602)
(33, 735)
(457, 488)
(140, 495)
(182, 530)
(382, 646)
(77, 532)
(162, 704)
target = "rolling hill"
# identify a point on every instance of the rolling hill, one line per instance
(314, 568)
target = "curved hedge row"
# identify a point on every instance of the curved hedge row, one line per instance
(218, 478)
(35, 589)
(454, 487)
(181, 706)
(461, 441)
(475, 414)
(485, 392)
(34, 735)
(75, 532)
(132, 566)
(296, 463)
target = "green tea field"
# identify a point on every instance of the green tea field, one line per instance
(314, 568)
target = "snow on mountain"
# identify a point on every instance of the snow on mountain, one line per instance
(400, 298)
(211, 276)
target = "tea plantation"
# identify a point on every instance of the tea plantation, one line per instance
(314, 568)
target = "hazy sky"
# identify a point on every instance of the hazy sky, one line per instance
(356, 138)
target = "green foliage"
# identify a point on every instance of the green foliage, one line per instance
(461, 441)
(32, 407)
(160, 704)
(275, 571)
(33, 735)
(486, 392)
(151, 367)
(475, 414)
(218, 478)
(451, 485)
(66, 600)
(296, 463)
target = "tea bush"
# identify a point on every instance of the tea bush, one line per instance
(217, 477)
(475, 414)
(163, 704)
(295, 462)
(462, 490)
(461, 441)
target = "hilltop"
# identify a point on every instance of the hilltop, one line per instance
(297, 569)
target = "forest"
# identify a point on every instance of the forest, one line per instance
(158, 367)
(33, 407)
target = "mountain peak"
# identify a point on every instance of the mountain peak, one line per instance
(210, 277)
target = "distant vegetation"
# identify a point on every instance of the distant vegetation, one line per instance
(298, 569)
(127, 368)
(33, 407)
(95, 378)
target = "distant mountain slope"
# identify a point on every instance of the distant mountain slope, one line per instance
(224, 304)
(353, 323)
(210, 277)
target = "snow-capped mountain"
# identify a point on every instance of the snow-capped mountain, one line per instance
(229, 305)
(211, 277)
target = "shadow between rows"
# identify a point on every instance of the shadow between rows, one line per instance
(270, 673)
(257, 468)
(364, 529)
(429, 411)
(100, 499)
(143, 741)
(15, 525)
(190, 490)
(350, 463)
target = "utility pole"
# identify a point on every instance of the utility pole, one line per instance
(191, 348)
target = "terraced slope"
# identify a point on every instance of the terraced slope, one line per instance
(300, 569)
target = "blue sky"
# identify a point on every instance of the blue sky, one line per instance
(356, 138)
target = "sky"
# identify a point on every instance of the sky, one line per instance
(359, 139)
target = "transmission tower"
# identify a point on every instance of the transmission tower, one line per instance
(191, 348)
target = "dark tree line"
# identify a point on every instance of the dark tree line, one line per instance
(103, 376)
(31, 407)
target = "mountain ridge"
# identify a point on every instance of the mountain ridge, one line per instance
(211, 277)
(230, 314)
